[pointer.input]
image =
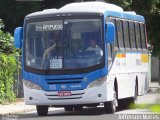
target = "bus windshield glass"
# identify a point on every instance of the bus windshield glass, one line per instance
(64, 44)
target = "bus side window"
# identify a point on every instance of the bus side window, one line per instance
(116, 40)
(110, 52)
(126, 34)
(109, 46)
(143, 39)
(138, 40)
(119, 34)
(132, 35)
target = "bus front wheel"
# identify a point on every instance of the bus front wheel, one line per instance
(42, 110)
(111, 106)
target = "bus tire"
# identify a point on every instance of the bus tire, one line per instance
(111, 106)
(133, 101)
(122, 104)
(42, 110)
(129, 103)
(68, 108)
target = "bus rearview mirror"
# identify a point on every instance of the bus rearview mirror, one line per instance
(110, 32)
(18, 35)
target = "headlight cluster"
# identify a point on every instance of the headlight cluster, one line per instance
(31, 85)
(98, 82)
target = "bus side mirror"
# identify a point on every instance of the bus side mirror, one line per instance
(110, 32)
(18, 35)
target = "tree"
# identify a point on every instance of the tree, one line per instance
(150, 9)
(13, 12)
(6, 41)
(8, 66)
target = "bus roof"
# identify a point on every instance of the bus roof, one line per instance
(96, 7)
(90, 7)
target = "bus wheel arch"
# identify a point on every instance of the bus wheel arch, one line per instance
(116, 86)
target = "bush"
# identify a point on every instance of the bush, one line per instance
(8, 70)
(8, 66)
(6, 41)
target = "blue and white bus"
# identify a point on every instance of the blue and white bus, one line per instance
(83, 54)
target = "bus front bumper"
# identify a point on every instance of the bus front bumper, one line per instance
(98, 94)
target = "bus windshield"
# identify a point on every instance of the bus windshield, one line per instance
(64, 44)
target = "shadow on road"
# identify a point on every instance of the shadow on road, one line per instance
(61, 113)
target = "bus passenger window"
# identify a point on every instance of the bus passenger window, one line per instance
(119, 34)
(116, 40)
(132, 35)
(126, 34)
(109, 48)
(137, 29)
(143, 36)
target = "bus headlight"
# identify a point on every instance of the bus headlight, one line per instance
(31, 85)
(97, 82)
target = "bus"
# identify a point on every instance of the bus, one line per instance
(83, 54)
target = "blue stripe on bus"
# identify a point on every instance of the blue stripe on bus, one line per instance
(71, 82)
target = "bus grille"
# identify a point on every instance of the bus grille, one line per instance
(76, 92)
(64, 80)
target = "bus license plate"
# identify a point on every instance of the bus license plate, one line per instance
(64, 93)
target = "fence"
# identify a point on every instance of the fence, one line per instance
(19, 84)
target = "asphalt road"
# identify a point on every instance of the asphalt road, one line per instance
(93, 113)
(86, 114)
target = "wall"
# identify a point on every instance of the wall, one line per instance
(155, 68)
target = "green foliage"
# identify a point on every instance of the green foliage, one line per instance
(8, 68)
(13, 12)
(6, 41)
(150, 9)
(125, 4)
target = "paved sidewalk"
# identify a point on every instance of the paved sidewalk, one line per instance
(154, 87)
(20, 107)
(16, 108)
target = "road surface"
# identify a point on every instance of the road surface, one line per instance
(96, 113)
